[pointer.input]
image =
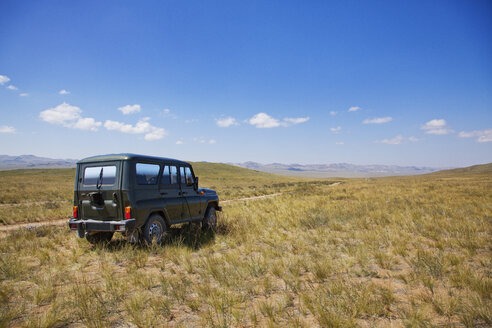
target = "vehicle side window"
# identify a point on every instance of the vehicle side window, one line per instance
(182, 175)
(174, 174)
(166, 176)
(189, 176)
(147, 173)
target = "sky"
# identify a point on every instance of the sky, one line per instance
(362, 82)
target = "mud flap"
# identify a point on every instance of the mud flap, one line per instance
(133, 236)
(81, 230)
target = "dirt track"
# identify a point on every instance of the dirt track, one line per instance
(60, 221)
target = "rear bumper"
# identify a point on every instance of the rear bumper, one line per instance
(83, 226)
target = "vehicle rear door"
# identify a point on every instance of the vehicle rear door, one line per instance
(99, 191)
(146, 195)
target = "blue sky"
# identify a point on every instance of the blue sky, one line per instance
(364, 82)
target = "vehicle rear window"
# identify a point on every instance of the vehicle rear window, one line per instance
(147, 173)
(93, 173)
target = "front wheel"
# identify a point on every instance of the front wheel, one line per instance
(155, 230)
(210, 220)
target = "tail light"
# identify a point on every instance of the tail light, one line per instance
(128, 213)
(75, 212)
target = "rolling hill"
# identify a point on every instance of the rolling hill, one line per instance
(475, 169)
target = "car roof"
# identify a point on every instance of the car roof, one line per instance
(128, 156)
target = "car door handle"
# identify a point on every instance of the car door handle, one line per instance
(183, 193)
(163, 193)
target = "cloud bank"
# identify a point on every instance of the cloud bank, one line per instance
(481, 135)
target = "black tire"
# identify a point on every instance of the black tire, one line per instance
(155, 230)
(99, 237)
(210, 219)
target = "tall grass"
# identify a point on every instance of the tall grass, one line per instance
(404, 252)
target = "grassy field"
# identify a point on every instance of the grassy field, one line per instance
(387, 252)
(40, 195)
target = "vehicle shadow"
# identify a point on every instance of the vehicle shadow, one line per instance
(186, 235)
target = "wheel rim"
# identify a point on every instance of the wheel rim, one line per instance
(212, 220)
(155, 232)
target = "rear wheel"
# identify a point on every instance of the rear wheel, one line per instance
(210, 220)
(155, 230)
(99, 237)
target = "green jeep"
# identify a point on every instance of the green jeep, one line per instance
(139, 196)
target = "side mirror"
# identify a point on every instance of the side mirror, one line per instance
(195, 185)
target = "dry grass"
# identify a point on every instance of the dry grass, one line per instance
(389, 252)
(41, 195)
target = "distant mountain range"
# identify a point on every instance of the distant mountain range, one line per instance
(337, 169)
(310, 170)
(33, 162)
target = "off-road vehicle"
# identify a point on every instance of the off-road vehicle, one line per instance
(139, 196)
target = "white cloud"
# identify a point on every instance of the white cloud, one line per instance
(398, 140)
(129, 109)
(69, 116)
(292, 121)
(339, 143)
(481, 135)
(12, 87)
(437, 126)
(203, 140)
(24, 94)
(155, 134)
(87, 123)
(64, 92)
(354, 109)
(4, 79)
(333, 113)
(61, 114)
(336, 130)
(263, 120)
(6, 128)
(142, 127)
(166, 112)
(179, 142)
(226, 122)
(378, 120)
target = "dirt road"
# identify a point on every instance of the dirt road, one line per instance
(60, 221)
